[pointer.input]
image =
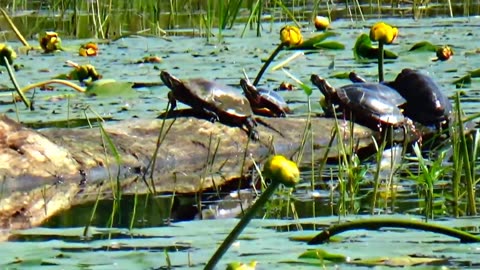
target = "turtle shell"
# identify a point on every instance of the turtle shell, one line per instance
(222, 97)
(373, 100)
(211, 99)
(263, 101)
(426, 103)
(203, 94)
(371, 104)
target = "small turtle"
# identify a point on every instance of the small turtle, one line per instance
(211, 100)
(371, 104)
(426, 103)
(263, 101)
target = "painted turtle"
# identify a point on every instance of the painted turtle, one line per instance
(373, 105)
(426, 102)
(263, 101)
(211, 100)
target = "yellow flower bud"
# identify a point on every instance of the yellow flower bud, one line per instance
(321, 23)
(84, 72)
(444, 53)
(279, 168)
(383, 32)
(7, 52)
(291, 36)
(89, 49)
(50, 42)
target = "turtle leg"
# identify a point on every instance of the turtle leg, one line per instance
(210, 115)
(173, 101)
(250, 124)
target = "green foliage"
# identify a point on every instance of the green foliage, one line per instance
(363, 49)
(467, 79)
(109, 87)
(322, 255)
(318, 42)
(429, 174)
(424, 46)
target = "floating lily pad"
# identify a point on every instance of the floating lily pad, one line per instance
(109, 87)
(364, 49)
(424, 46)
(317, 42)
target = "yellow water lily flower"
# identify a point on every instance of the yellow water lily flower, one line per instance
(89, 49)
(383, 32)
(83, 72)
(50, 42)
(279, 168)
(7, 52)
(321, 23)
(291, 36)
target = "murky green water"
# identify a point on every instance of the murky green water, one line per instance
(224, 59)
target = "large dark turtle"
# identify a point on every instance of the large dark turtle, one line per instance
(211, 100)
(426, 103)
(263, 101)
(371, 104)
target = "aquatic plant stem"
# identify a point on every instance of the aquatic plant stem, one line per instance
(15, 29)
(249, 214)
(380, 61)
(267, 63)
(57, 81)
(377, 223)
(15, 84)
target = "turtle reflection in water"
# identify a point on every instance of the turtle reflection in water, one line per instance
(370, 104)
(264, 102)
(211, 100)
(425, 101)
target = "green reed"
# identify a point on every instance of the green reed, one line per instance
(430, 171)
(465, 152)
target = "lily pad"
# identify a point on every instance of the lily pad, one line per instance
(109, 87)
(322, 255)
(317, 42)
(364, 49)
(424, 46)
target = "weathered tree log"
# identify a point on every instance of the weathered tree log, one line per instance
(45, 171)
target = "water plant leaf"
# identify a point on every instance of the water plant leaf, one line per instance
(398, 261)
(322, 255)
(340, 75)
(312, 43)
(110, 87)
(363, 49)
(331, 45)
(467, 79)
(241, 266)
(424, 46)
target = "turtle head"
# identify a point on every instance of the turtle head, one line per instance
(249, 90)
(169, 80)
(327, 90)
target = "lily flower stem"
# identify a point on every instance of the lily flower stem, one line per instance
(377, 223)
(15, 84)
(380, 61)
(249, 214)
(267, 63)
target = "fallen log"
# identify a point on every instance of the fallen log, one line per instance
(45, 171)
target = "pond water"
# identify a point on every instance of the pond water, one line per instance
(223, 59)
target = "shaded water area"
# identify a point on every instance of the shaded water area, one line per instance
(169, 224)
